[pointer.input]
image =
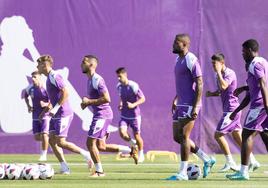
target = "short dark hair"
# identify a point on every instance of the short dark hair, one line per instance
(35, 73)
(184, 37)
(217, 57)
(92, 57)
(251, 44)
(121, 70)
(44, 58)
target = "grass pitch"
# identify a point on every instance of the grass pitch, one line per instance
(123, 173)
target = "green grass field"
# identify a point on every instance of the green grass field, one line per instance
(123, 173)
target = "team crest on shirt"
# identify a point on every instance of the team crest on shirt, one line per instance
(31, 93)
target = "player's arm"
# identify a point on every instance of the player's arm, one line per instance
(120, 106)
(174, 102)
(105, 98)
(264, 92)
(213, 94)
(63, 97)
(26, 99)
(198, 95)
(239, 90)
(138, 102)
(242, 105)
(222, 83)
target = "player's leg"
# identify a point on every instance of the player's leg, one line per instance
(62, 127)
(44, 138)
(123, 127)
(135, 125)
(253, 163)
(264, 137)
(58, 152)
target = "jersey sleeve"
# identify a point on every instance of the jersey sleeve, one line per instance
(259, 71)
(59, 81)
(196, 70)
(102, 88)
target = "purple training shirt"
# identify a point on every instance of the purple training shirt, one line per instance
(129, 93)
(186, 70)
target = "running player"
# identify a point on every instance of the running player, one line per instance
(61, 114)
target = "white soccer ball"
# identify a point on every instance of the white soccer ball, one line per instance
(30, 172)
(46, 171)
(2, 171)
(193, 171)
(13, 172)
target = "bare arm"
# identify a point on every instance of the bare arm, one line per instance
(243, 104)
(26, 99)
(213, 94)
(174, 102)
(198, 95)
(239, 90)
(138, 102)
(63, 97)
(222, 83)
(105, 98)
(264, 92)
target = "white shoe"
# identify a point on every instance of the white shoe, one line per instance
(229, 166)
(254, 166)
(65, 172)
(181, 177)
(42, 158)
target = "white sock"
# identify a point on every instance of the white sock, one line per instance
(43, 152)
(252, 158)
(244, 169)
(183, 167)
(141, 153)
(98, 167)
(132, 142)
(124, 149)
(85, 154)
(64, 166)
(202, 155)
(229, 159)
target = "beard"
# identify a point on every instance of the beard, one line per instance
(176, 50)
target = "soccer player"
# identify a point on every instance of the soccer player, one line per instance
(227, 82)
(257, 96)
(61, 114)
(187, 104)
(98, 99)
(40, 100)
(131, 96)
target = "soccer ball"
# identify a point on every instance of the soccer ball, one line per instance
(193, 171)
(13, 172)
(2, 171)
(46, 171)
(30, 172)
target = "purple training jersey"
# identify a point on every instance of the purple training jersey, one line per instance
(129, 93)
(229, 101)
(55, 83)
(95, 89)
(186, 70)
(258, 68)
(37, 94)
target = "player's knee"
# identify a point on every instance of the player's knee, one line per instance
(61, 143)
(101, 146)
(37, 137)
(217, 135)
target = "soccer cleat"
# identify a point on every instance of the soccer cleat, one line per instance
(64, 172)
(134, 154)
(253, 166)
(42, 158)
(237, 176)
(207, 166)
(229, 166)
(178, 177)
(97, 174)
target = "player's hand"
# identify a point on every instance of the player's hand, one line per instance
(85, 102)
(218, 67)
(173, 108)
(232, 116)
(194, 113)
(120, 107)
(208, 94)
(131, 105)
(30, 109)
